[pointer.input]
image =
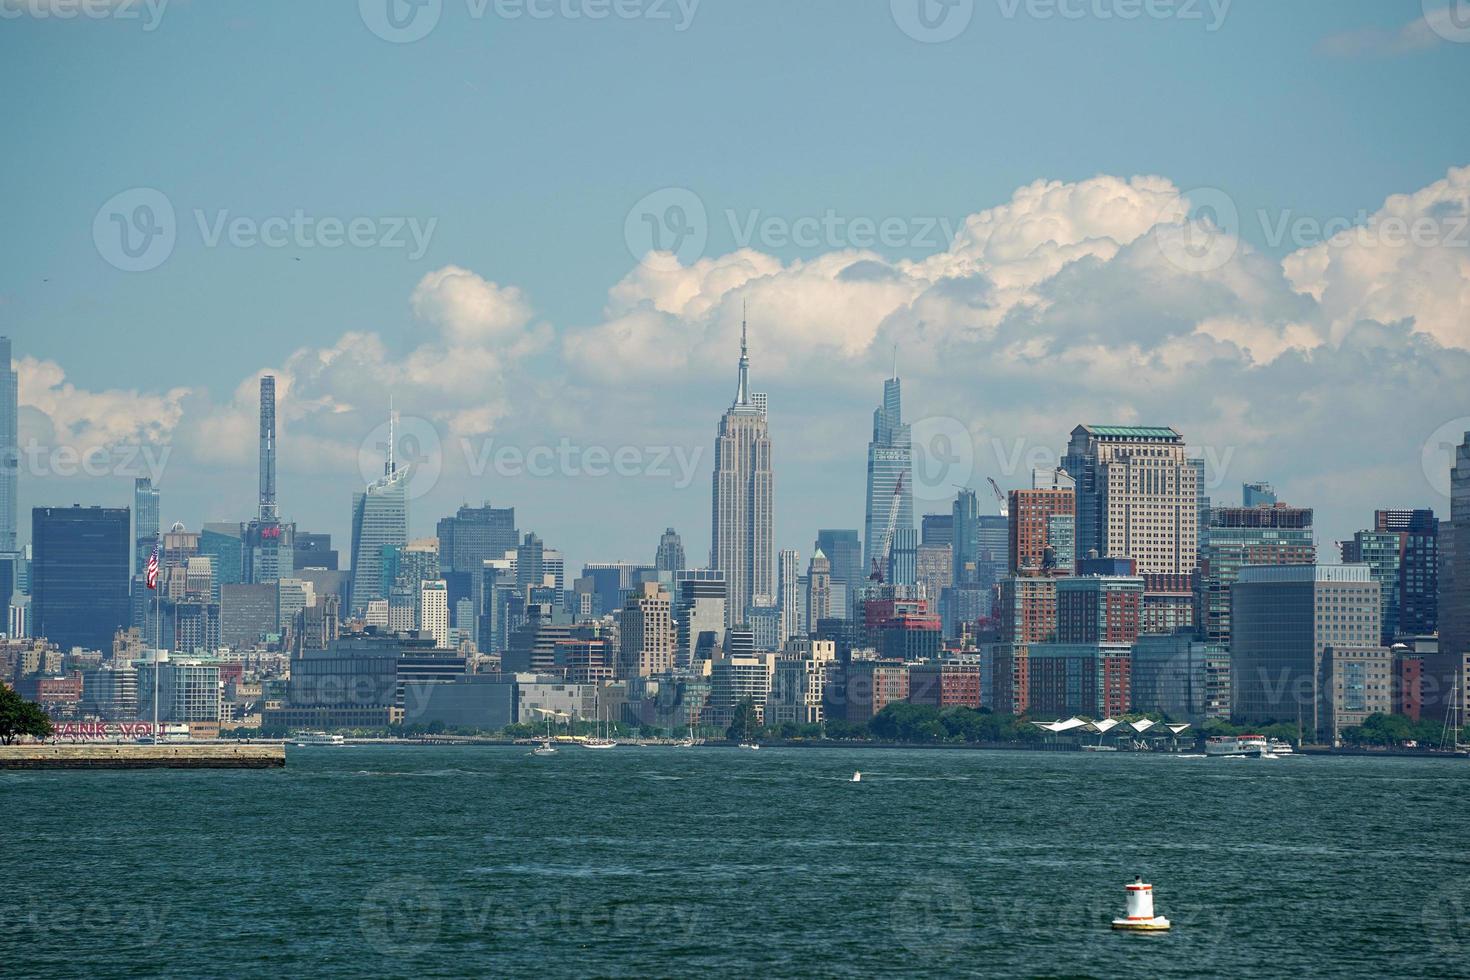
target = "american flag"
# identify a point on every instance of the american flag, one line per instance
(152, 570)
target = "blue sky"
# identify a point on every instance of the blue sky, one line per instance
(526, 142)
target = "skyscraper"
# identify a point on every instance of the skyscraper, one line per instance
(270, 546)
(79, 587)
(145, 521)
(1042, 526)
(742, 539)
(379, 520)
(475, 535)
(1265, 534)
(788, 598)
(268, 508)
(1442, 671)
(670, 555)
(890, 475)
(646, 634)
(1285, 620)
(1137, 496)
(818, 591)
(9, 447)
(844, 549)
(1403, 551)
(699, 595)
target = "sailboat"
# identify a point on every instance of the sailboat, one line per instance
(688, 742)
(605, 742)
(546, 747)
(1450, 739)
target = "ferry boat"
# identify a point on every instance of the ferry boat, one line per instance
(318, 738)
(1237, 745)
(1279, 747)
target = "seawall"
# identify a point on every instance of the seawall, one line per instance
(122, 755)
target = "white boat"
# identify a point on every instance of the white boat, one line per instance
(545, 748)
(318, 738)
(752, 746)
(604, 742)
(1280, 747)
(1099, 748)
(857, 777)
(689, 741)
(1237, 746)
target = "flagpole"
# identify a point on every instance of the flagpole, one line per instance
(157, 643)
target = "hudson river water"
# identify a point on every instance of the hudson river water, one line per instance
(418, 862)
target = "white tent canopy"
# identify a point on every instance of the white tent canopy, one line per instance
(1139, 727)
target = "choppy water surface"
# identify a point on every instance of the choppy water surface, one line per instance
(654, 861)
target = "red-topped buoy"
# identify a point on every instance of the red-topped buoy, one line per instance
(1141, 916)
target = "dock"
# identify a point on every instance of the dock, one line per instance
(125, 755)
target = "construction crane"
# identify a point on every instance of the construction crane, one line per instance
(880, 560)
(1005, 508)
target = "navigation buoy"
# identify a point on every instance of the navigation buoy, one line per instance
(857, 777)
(1141, 916)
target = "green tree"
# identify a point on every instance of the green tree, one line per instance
(19, 717)
(744, 724)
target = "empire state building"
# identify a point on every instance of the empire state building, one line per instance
(743, 538)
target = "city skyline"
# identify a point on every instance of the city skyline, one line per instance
(1030, 290)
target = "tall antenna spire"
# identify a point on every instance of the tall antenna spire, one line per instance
(391, 466)
(742, 397)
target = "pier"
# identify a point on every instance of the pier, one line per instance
(123, 755)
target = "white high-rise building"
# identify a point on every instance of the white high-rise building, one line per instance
(646, 633)
(743, 521)
(434, 611)
(1137, 496)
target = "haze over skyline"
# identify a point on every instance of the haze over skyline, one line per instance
(927, 196)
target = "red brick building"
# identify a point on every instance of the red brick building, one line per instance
(1030, 530)
(945, 684)
(1010, 679)
(1028, 609)
(869, 686)
(1408, 684)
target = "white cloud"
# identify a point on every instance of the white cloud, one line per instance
(1055, 307)
(1410, 261)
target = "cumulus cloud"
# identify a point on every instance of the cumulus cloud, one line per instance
(1067, 303)
(1409, 261)
(85, 420)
